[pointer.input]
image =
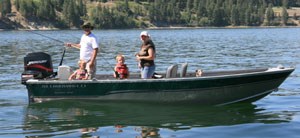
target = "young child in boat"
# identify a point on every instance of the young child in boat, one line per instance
(121, 70)
(81, 73)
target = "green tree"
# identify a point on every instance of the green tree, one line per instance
(5, 7)
(261, 15)
(217, 16)
(45, 10)
(248, 17)
(234, 20)
(81, 8)
(70, 12)
(189, 5)
(27, 8)
(285, 3)
(269, 15)
(284, 16)
(17, 4)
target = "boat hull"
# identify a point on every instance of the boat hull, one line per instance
(208, 90)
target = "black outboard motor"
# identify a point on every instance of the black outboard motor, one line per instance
(37, 66)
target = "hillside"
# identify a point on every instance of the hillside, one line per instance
(117, 14)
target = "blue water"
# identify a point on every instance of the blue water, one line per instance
(277, 115)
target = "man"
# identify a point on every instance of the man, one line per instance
(88, 48)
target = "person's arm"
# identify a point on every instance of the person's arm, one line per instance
(77, 46)
(151, 55)
(115, 71)
(127, 72)
(93, 58)
(138, 60)
(86, 76)
(72, 76)
(74, 45)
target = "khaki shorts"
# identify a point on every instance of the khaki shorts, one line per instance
(91, 71)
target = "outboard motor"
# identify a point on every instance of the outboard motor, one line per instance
(37, 65)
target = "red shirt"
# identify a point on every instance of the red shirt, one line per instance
(122, 70)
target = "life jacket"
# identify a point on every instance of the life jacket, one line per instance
(122, 70)
(80, 74)
(144, 52)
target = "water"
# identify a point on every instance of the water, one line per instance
(276, 115)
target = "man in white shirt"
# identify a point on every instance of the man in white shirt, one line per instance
(88, 49)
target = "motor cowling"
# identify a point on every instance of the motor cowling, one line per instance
(37, 65)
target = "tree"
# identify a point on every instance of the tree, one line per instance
(81, 8)
(234, 20)
(45, 10)
(269, 15)
(27, 8)
(5, 7)
(217, 16)
(189, 5)
(126, 6)
(248, 17)
(284, 16)
(285, 3)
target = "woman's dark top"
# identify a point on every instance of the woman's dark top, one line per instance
(144, 52)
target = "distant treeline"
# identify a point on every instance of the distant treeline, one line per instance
(144, 13)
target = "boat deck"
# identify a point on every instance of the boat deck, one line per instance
(188, 75)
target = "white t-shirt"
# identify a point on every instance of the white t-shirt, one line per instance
(87, 44)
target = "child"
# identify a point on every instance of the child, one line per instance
(121, 70)
(81, 73)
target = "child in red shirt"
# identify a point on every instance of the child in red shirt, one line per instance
(121, 70)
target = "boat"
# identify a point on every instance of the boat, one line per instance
(175, 85)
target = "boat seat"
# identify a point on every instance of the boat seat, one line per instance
(64, 72)
(172, 71)
(183, 69)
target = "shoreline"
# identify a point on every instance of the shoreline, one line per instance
(158, 28)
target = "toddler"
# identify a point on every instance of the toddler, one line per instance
(81, 73)
(121, 70)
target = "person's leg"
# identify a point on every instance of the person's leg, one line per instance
(151, 71)
(147, 72)
(144, 72)
(91, 71)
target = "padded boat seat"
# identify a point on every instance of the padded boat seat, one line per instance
(64, 72)
(172, 71)
(183, 69)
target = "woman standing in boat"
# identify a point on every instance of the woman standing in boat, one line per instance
(146, 56)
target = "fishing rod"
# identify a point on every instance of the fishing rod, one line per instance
(51, 38)
(61, 61)
(62, 58)
(72, 45)
(115, 72)
(45, 36)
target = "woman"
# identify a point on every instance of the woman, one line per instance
(146, 56)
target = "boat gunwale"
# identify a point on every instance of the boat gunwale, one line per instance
(177, 79)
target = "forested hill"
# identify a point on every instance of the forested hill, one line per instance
(108, 14)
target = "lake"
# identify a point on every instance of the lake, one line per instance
(276, 115)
